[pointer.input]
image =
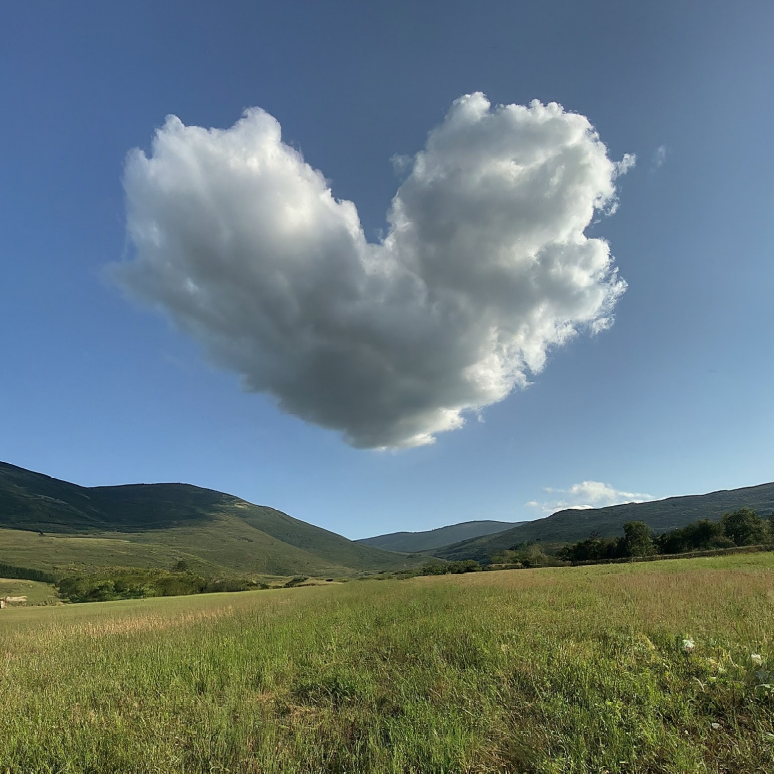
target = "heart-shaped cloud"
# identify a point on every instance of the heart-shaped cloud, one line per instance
(485, 265)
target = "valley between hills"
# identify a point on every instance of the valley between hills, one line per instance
(667, 662)
(48, 524)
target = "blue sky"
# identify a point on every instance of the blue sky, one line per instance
(674, 398)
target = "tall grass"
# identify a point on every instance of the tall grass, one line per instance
(568, 670)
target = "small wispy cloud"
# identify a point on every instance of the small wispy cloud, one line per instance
(659, 157)
(587, 494)
(626, 164)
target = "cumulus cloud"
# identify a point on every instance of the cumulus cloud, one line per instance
(484, 267)
(588, 494)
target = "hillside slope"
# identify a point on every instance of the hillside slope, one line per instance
(409, 542)
(572, 525)
(45, 522)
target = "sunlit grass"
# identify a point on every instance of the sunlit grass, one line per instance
(567, 670)
(36, 593)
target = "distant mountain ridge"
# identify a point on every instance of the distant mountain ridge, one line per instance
(571, 525)
(45, 522)
(427, 540)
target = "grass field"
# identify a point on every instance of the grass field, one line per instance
(36, 593)
(556, 670)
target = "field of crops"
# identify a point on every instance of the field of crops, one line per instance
(658, 667)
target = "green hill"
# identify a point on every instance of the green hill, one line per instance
(409, 542)
(47, 523)
(572, 525)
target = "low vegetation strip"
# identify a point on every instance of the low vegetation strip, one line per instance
(25, 573)
(113, 583)
(653, 667)
(740, 529)
(686, 555)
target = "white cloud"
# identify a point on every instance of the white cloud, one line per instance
(625, 164)
(484, 268)
(588, 494)
(659, 156)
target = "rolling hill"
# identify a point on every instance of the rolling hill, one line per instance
(572, 525)
(409, 542)
(47, 523)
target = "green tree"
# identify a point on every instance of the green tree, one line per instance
(595, 548)
(699, 536)
(637, 539)
(745, 527)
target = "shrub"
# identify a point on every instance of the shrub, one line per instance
(637, 539)
(128, 583)
(745, 527)
(295, 581)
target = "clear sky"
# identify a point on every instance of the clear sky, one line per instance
(99, 387)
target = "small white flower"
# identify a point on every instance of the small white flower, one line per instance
(756, 659)
(688, 645)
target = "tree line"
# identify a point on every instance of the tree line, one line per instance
(25, 573)
(743, 527)
(113, 583)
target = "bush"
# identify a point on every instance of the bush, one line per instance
(637, 539)
(433, 568)
(745, 527)
(128, 583)
(700, 536)
(450, 568)
(593, 549)
(295, 581)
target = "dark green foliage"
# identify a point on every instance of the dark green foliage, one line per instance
(128, 583)
(740, 528)
(450, 568)
(459, 568)
(702, 535)
(134, 583)
(637, 539)
(745, 527)
(593, 549)
(25, 573)
(525, 555)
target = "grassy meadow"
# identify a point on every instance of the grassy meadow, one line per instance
(586, 669)
(36, 593)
